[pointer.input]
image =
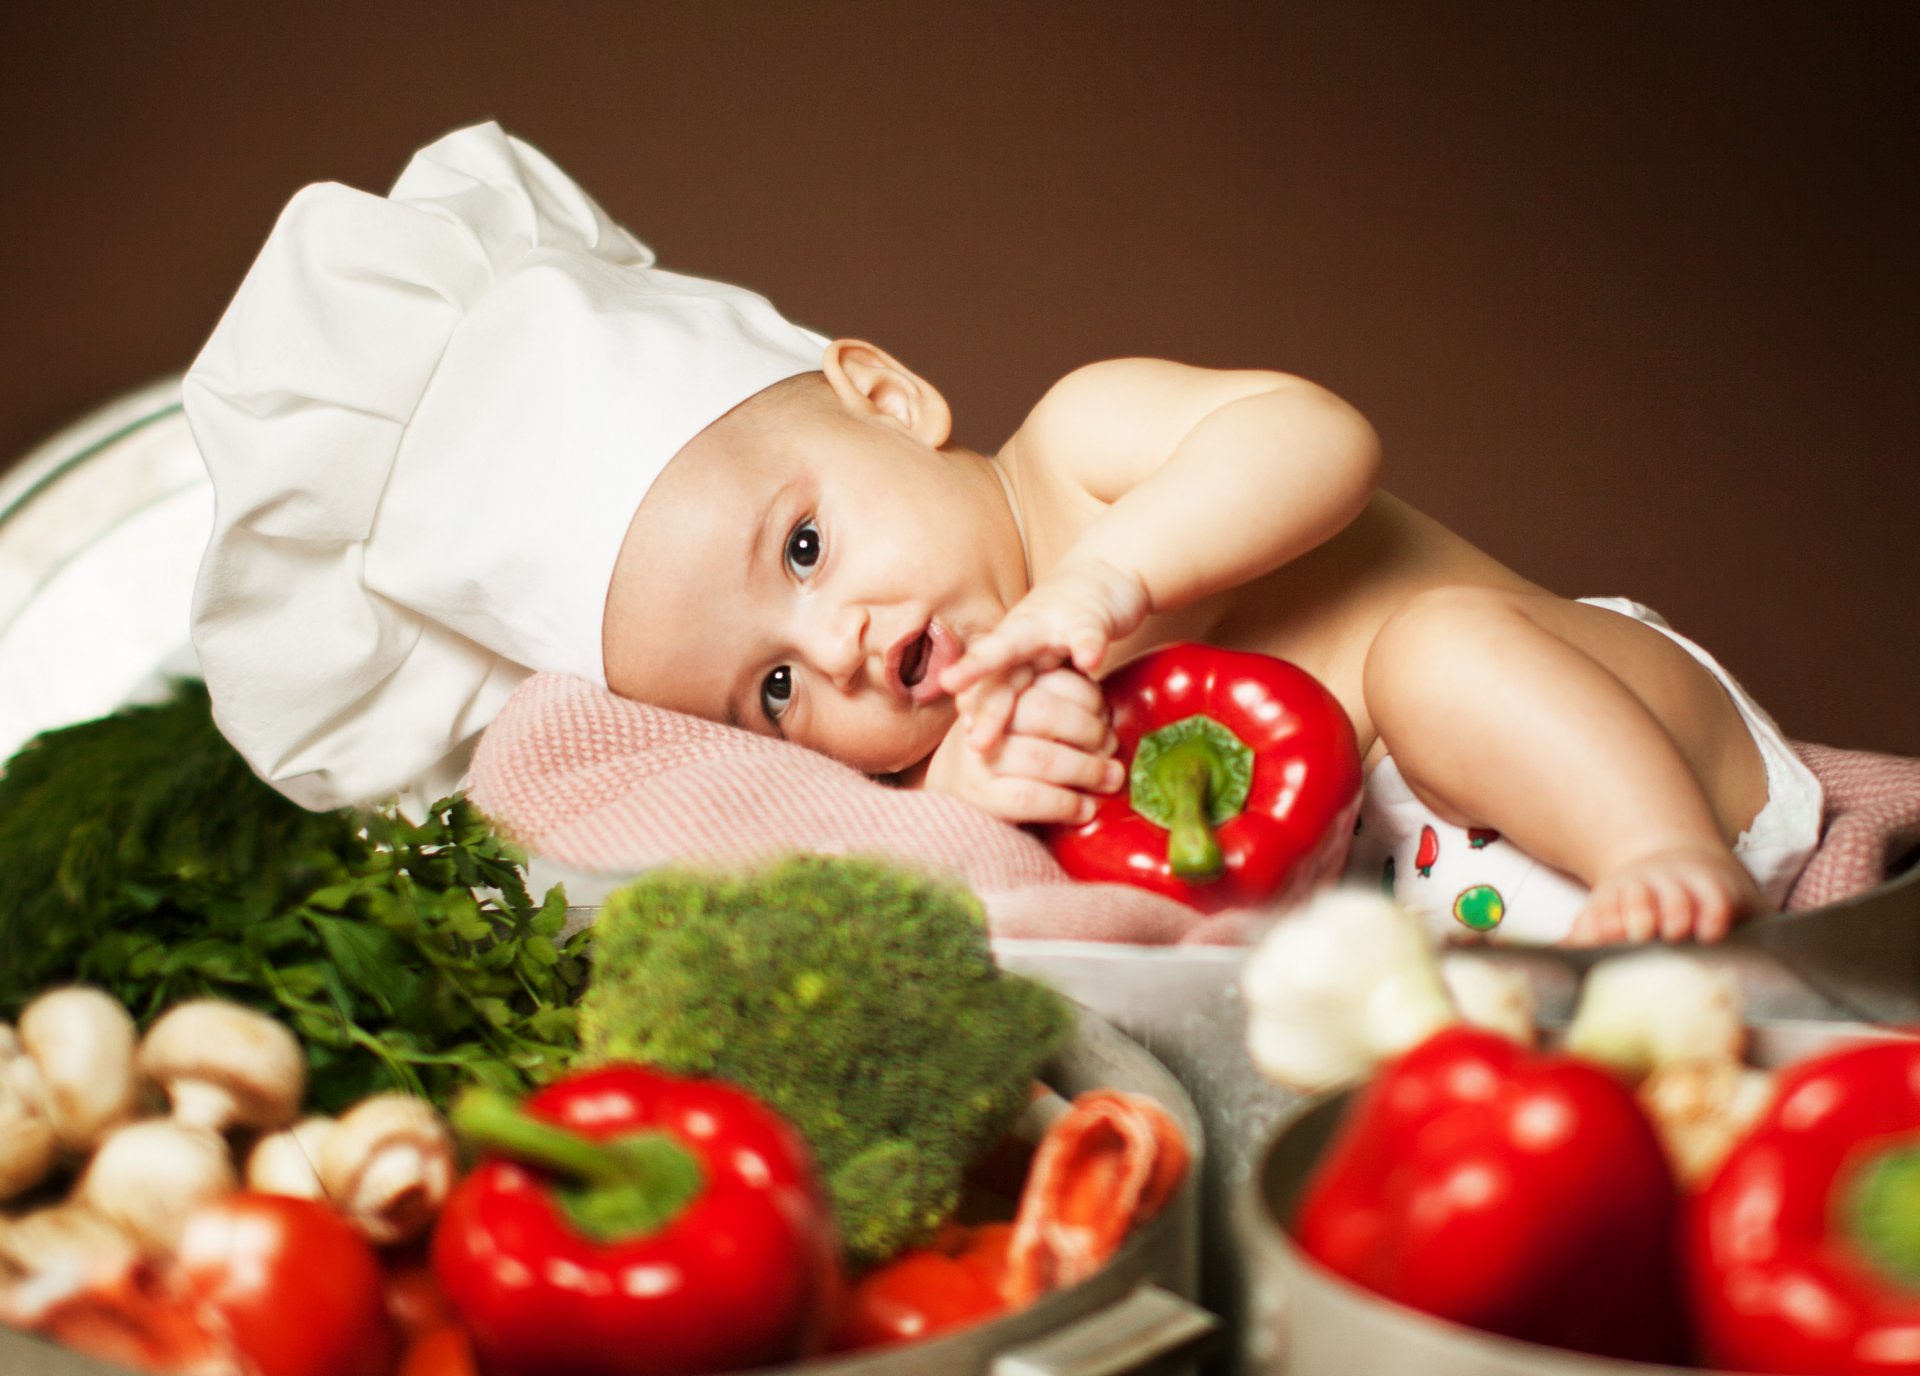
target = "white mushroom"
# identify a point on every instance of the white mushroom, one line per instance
(82, 1040)
(1652, 1008)
(29, 1147)
(1338, 986)
(1496, 997)
(67, 1238)
(148, 1177)
(51, 1254)
(224, 1066)
(388, 1165)
(1701, 1109)
(287, 1162)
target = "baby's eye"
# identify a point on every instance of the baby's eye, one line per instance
(803, 548)
(776, 692)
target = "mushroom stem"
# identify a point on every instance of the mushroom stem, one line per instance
(204, 1104)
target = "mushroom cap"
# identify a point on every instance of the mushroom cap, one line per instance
(147, 1177)
(226, 1066)
(82, 1040)
(388, 1164)
(287, 1162)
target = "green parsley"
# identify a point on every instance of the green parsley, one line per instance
(143, 856)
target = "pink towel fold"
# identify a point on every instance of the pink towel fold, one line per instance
(1872, 822)
(600, 784)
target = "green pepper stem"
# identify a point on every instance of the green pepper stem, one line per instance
(1885, 1211)
(1186, 775)
(633, 1184)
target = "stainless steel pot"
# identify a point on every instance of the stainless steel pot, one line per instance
(1136, 1315)
(1310, 1322)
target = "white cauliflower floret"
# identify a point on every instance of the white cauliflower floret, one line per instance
(1653, 1008)
(1339, 985)
(1498, 998)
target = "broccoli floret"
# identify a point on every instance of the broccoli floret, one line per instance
(857, 998)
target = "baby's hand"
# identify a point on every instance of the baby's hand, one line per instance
(1069, 616)
(1057, 750)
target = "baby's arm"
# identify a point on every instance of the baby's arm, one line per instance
(1211, 479)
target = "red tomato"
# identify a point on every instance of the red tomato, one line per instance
(300, 1290)
(914, 1296)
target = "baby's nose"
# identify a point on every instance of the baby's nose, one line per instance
(840, 644)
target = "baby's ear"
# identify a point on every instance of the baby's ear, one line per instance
(869, 381)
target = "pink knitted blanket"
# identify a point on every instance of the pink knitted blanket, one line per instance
(600, 784)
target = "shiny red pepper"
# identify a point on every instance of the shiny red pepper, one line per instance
(1518, 1193)
(1243, 781)
(1804, 1248)
(631, 1223)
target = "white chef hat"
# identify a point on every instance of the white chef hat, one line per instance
(429, 419)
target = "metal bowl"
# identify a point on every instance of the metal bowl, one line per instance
(1135, 1315)
(101, 530)
(1310, 1322)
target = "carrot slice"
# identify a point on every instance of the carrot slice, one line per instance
(1107, 1166)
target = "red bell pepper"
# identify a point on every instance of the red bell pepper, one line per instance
(1243, 781)
(1804, 1248)
(1519, 1193)
(631, 1223)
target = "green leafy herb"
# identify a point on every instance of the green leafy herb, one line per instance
(142, 855)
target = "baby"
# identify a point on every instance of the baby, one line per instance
(823, 564)
(815, 559)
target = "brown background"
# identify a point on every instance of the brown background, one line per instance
(1629, 289)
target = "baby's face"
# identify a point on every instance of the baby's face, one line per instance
(813, 588)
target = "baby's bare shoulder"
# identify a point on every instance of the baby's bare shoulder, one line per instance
(1110, 424)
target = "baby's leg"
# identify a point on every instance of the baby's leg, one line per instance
(1590, 740)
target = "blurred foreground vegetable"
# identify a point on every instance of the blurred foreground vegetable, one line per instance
(1517, 1193)
(1804, 1249)
(860, 1000)
(145, 857)
(629, 1223)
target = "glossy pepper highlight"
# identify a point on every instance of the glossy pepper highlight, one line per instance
(1803, 1250)
(1517, 1193)
(630, 1223)
(1243, 781)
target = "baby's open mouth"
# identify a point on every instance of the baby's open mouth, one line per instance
(915, 663)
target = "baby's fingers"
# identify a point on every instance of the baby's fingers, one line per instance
(988, 707)
(1017, 640)
(1040, 712)
(1029, 800)
(1055, 763)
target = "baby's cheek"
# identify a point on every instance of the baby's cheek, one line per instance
(881, 742)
